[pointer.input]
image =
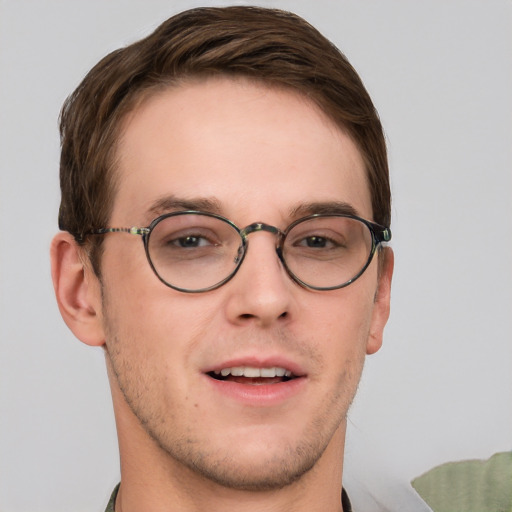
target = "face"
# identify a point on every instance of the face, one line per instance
(250, 153)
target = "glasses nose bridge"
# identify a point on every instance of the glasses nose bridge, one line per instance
(260, 226)
(253, 228)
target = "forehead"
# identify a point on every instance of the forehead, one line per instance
(249, 148)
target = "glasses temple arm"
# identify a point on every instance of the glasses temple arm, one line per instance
(133, 231)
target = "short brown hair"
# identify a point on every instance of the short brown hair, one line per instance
(268, 45)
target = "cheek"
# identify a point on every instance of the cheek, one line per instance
(346, 314)
(153, 324)
(340, 325)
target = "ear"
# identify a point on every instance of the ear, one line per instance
(380, 313)
(77, 290)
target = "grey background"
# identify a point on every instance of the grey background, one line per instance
(440, 73)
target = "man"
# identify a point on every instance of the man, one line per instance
(242, 149)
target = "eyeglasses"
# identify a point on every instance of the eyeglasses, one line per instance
(194, 251)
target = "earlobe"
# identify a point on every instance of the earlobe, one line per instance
(382, 301)
(77, 290)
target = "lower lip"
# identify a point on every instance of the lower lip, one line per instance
(263, 395)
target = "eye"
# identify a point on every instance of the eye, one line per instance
(190, 241)
(317, 242)
(314, 241)
(197, 237)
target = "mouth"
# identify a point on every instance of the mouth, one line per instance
(251, 375)
(257, 381)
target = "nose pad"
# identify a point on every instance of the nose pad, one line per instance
(264, 262)
(279, 253)
(239, 254)
(242, 250)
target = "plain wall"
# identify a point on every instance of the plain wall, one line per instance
(440, 74)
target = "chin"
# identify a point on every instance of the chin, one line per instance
(266, 475)
(253, 464)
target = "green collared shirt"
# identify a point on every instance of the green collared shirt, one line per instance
(345, 502)
(469, 485)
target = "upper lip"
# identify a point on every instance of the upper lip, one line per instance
(259, 362)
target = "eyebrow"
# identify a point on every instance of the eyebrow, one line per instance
(324, 208)
(171, 203)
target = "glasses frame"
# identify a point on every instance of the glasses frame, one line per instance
(380, 234)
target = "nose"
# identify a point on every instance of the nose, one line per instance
(261, 292)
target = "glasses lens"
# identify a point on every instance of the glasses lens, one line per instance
(193, 252)
(328, 252)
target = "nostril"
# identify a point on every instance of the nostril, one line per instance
(248, 316)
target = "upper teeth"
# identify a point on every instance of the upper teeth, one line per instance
(250, 371)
